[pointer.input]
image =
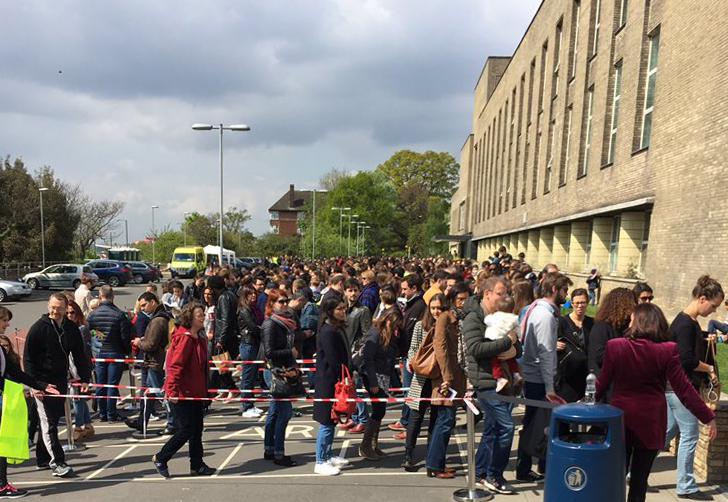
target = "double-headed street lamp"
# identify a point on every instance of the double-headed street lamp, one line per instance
(221, 128)
(341, 211)
(154, 237)
(313, 229)
(126, 230)
(348, 243)
(42, 224)
(360, 225)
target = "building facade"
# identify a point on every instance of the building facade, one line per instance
(601, 143)
(288, 211)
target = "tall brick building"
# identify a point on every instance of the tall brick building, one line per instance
(602, 143)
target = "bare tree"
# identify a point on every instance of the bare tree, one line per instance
(96, 219)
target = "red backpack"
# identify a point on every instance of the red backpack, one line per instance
(344, 390)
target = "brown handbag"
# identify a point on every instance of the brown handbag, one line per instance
(710, 389)
(424, 363)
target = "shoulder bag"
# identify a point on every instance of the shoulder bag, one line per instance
(710, 389)
(425, 363)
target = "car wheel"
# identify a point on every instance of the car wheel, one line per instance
(3, 295)
(76, 284)
(138, 279)
(113, 281)
(33, 283)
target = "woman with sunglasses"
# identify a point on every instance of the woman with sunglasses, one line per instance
(421, 386)
(83, 428)
(277, 336)
(572, 367)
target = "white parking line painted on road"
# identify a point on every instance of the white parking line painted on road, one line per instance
(463, 448)
(107, 464)
(227, 460)
(344, 447)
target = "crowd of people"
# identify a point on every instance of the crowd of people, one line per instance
(430, 328)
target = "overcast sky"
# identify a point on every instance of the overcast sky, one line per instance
(105, 92)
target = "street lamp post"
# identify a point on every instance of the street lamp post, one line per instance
(221, 128)
(184, 226)
(154, 237)
(313, 229)
(42, 225)
(363, 248)
(348, 242)
(359, 225)
(126, 231)
(341, 211)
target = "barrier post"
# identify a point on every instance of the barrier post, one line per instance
(471, 493)
(70, 443)
(133, 406)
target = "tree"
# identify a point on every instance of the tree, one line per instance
(201, 229)
(166, 242)
(96, 219)
(271, 245)
(330, 180)
(437, 172)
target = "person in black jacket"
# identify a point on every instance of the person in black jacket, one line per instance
(573, 338)
(113, 327)
(611, 321)
(49, 343)
(331, 354)
(380, 354)
(249, 346)
(226, 329)
(10, 370)
(278, 335)
(686, 332)
(414, 310)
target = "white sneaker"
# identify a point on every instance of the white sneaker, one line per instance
(260, 412)
(337, 461)
(252, 413)
(326, 469)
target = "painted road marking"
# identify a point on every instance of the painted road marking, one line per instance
(227, 460)
(107, 464)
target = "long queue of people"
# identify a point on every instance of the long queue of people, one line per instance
(430, 327)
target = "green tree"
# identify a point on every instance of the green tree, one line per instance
(271, 245)
(437, 172)
(165, 244)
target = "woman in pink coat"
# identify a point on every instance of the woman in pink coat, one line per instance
(638, 368)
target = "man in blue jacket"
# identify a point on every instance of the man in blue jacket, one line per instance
(113, 328)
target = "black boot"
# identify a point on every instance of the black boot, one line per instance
(366, 450)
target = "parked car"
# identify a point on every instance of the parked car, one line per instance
(143, 272)
(112, 272)
(13, 289)
(65, 275)
(250, 262)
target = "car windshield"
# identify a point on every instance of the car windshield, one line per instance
(183, 257)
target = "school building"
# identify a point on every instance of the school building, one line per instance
(602, 143)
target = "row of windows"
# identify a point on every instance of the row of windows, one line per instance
(500, 169)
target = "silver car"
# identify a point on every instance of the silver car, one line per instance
(65, 276)
(13, 289)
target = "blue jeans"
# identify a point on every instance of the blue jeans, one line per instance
(248, 352)
(714, 326)
(82, 416)
(109, 374)
(680, 419)
(155, 379)
(444, 417)
(324, 441)
(406, 382)
(494, 450)
(361, 415)
(279, 413)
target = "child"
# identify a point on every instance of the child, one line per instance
(499, 324)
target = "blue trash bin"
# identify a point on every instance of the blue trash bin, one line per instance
(586, 455)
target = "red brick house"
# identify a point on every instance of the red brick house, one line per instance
(288, 210)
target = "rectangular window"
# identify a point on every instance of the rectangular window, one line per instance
(589, 108)
(645, 240)
(614, 244)
(616, 97)
(557, 58)
(597, 22)
(531, 78)
(564, 171)
(651, 81)
(550, 156)
(525, 163)
(575, 13)
(461, 216)
(542, 82)
(622, 10)
(536, 158)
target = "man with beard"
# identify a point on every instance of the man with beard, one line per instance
(538, 365)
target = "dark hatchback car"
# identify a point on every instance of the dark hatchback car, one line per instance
(112, 272)
(143, 272)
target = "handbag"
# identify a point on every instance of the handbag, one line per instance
(710, 389)
(344, 390)
(286, 382)
(425, 363)
(221, 362)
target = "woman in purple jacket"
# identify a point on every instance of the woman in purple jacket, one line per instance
(638, 368)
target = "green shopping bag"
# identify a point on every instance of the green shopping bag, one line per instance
(14, 425)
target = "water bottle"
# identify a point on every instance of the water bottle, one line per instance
(591, 389)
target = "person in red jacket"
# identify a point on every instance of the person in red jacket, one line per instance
(638, 367)
(186, 380)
